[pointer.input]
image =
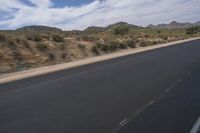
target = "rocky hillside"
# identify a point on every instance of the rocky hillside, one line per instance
(174, 24)
(38, 28)
(36, 46)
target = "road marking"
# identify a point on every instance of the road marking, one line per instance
(123, 123)
(196, 127)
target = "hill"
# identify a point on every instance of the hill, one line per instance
(95, 29)
(123, 23)
(174, 24)
(39, 28)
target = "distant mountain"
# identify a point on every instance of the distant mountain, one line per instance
(39, 28)
(123, 23)
(95, 29)
(174, 24)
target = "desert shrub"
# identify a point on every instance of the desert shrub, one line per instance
(105, 48)
(45, 36)
(146, 36)
(122, 45)
(51, 56)
(154, 42)
(33, 36)
(164, 37)
(62, 46)
(95, 49)
(63, 55)
(81, 46)
(121, 30)
(115, 44)
(89, 38)
(98, 44)
(159, 31)
(131, 43)
(78, 38)
(2, 37)
(41, 46)
(57, 38)
(193, 30)
(11, 43)
(25, 43)
(144, 44)
(18, 40)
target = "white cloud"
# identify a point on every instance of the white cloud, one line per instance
(140, 12)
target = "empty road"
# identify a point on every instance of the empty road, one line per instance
(157, 91)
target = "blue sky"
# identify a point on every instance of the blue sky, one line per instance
(62, 3)
(80, 14)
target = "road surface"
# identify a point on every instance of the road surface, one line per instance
(157, 90)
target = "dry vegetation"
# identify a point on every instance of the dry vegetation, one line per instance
(20, 50)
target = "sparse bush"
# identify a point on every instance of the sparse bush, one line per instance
(89, 38)
(154, 42)
(159, 31)
(18, 40)
(105, 48)
(25, 43)
(95, 49)
(131, 43)
(11, 43)
(41, 46)
(57, 38)
(33, 36)
(164, 37)
(122, 45)
(121, 30)
(2, 37)
(114, 45)
(63, 56)
(51, 56)
(144, 44)
(146, 36)
(81, 46)
(193, 30)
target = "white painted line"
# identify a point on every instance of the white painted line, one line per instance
(123, 123)
(196, 127)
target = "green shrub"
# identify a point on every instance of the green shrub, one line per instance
(114, 45)
(81, 46)
(105, 48)
(159, 31)
(57, 38)
(131, 43)
(144, 44)
(121, 30)
(193, 30)
(164, 37)
(41, 46)
(95, 49)
(89, 38)
(122, 45)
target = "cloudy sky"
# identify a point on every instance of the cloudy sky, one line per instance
(79, 14)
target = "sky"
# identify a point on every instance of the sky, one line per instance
(80, 14)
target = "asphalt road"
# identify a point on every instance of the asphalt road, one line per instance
(126, 94)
